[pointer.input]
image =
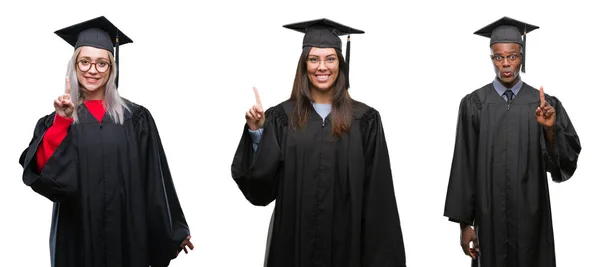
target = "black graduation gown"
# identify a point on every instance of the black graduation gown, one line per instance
(335, 196)
(498, 180)
(114, 199)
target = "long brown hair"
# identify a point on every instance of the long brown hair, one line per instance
(341, 108)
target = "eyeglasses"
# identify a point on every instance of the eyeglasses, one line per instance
(499, 58)
(101, 66)
(329, 62)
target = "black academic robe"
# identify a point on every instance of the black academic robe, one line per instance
(115, 204)
(335, 203)
(498, 180)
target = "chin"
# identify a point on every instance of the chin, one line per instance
(91, 88)
(506, 80)
(323, 87)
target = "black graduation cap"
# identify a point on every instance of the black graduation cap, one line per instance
(99, 33)
(508, 30)
(324, 33)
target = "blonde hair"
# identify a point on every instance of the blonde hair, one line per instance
(113, 103)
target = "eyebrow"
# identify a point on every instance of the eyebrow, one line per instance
(508, 52)
(313, 55)
(84, 57)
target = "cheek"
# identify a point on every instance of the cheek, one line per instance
(335, 74)
(517, 65)
(105, 76)
(80, 76)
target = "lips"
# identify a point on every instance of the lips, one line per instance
(91, 80)
(322, 77)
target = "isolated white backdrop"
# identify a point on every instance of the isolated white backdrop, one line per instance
(193, 66)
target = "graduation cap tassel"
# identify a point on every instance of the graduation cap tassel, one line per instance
(524, 42)
(348, 63)
(117, 60)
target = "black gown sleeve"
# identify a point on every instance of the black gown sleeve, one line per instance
(460, 197)
(58, 180)
(257, 173)
(561, 161)
(383, 243)
(168, 227)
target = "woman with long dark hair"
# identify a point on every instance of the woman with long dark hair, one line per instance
(323, 157)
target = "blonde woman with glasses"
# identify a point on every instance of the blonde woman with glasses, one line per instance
(99, 158)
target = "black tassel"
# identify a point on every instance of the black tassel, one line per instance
(524, 43)
(348, 63)
(117, 60)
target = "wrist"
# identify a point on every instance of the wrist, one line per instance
(63, 118)
(549, 128)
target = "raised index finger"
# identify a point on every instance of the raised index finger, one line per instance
(542, 97)
(257, 96)
(67, 85)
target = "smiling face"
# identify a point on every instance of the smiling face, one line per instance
(93, 69)
(507, 62)
(322, 68)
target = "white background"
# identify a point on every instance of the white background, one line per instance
(193, 67)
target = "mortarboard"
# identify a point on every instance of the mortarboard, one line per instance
(508, 30)
(99, 33)
(324, 33)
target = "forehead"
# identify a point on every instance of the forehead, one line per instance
(499, 48)
(317, 51)
(92, 52)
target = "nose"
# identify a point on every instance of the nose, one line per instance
(505, 62)
(322, 65)
(93, 69)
